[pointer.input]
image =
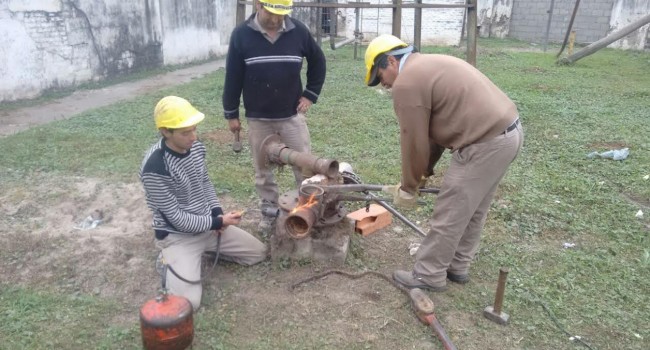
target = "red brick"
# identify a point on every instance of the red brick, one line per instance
(368, 222)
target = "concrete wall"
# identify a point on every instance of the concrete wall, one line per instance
(494, 18)
(46, 44)
(624, 13)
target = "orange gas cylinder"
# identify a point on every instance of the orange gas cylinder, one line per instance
(166, 323)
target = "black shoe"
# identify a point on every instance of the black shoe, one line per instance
(409, 279)
(461, 279)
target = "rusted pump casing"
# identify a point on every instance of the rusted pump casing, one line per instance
(166, 323)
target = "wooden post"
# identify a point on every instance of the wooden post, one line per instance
(568, 31)
(240, 15)
(472, 20)
(607, 40)
(572, 40)
(319, 24)
(397, 18)
(417, 25)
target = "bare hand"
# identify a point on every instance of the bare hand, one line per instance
(231, 218)
(234, 125)
(303, 105)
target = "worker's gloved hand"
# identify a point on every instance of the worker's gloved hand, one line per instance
(401, 198)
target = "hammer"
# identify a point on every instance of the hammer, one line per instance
(423, 307)
(493, 313)
(236, 146)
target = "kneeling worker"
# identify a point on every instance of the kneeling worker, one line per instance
(188, 219)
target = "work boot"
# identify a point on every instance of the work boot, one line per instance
(410, 279)
(457, 278)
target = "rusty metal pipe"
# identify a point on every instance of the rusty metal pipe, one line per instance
(300, 222)
(278, 153)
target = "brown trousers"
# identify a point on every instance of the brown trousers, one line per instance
(183, 253)
(462, 205)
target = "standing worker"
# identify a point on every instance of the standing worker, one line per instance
(265, 61)
(188, 219)
(444, 102)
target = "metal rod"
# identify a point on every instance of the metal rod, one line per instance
(363, 188)
(400, 216)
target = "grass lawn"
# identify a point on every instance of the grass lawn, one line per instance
(553, 194)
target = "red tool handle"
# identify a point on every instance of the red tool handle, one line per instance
(440, 332)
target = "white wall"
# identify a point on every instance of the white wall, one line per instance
(46, 44)
(439, 26)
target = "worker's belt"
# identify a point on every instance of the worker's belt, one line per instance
(512, 126)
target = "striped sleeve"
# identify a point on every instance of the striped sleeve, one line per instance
(159, 191)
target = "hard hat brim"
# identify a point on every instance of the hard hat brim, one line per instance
(371, 76)
(191, 121)
(277, 11)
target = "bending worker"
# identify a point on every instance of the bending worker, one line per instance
(442, 102)
(188, 219)
(264, 62)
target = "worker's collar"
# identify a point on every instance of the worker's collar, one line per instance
(406, 51)
(287, 24)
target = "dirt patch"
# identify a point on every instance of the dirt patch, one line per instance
(115, 260)
(605, 146)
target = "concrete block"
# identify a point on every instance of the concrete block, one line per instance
(374, 219)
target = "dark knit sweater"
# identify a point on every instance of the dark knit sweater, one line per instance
(179, 192)
(269, 73)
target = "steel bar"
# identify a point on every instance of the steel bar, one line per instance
(363, 187)
(399, 216)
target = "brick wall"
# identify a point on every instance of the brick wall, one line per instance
(529, 20)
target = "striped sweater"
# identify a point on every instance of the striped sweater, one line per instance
(179, 192)
(268, 74)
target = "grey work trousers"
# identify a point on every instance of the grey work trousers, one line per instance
(462, 205)
(183, 253)
(293, 133)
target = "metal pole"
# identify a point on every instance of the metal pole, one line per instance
(548, 24)
(319, 23)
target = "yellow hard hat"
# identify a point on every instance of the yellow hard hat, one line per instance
(175, 112)
(379, 45)
(278, 7)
